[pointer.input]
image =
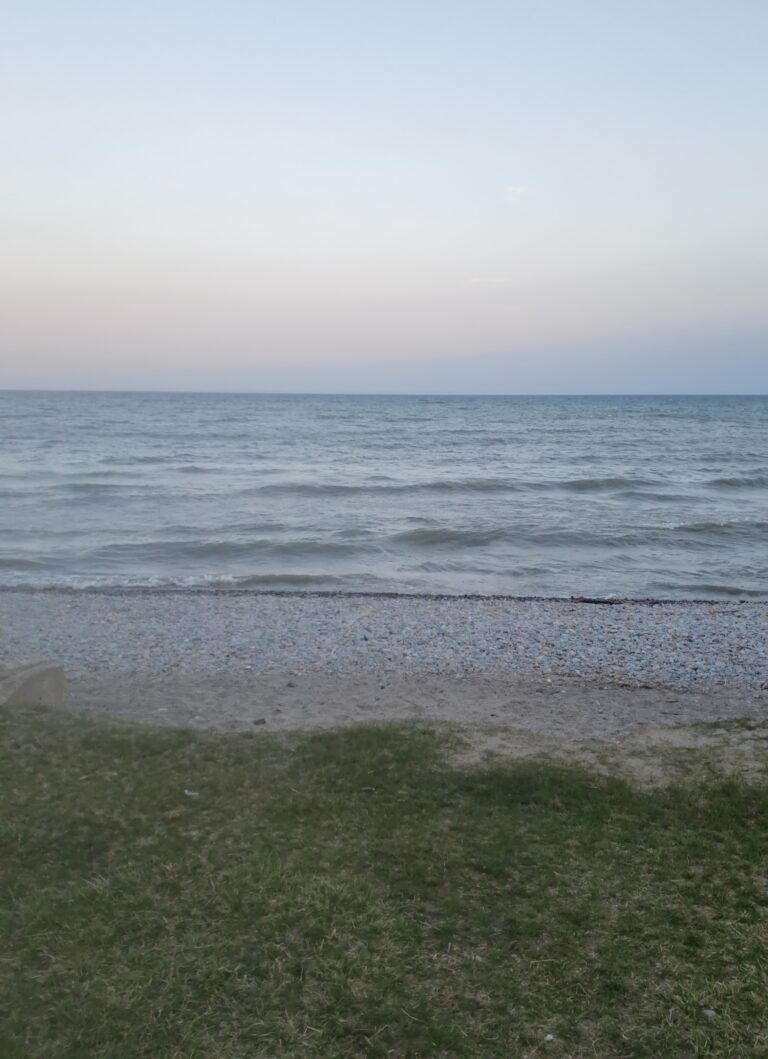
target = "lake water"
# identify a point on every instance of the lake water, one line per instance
(550, 496)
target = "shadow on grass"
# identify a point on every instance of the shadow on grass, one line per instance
(345, 893)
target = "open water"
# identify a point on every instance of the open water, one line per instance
(550, 496)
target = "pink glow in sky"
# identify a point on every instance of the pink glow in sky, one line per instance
(444, 196)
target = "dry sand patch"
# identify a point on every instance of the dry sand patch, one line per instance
(651, 757)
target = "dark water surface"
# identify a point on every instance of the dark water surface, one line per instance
(599, 496)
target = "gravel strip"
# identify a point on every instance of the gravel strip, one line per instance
(679, 645)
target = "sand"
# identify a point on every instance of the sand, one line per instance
(246, 661)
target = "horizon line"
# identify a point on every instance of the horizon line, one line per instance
(363, 393)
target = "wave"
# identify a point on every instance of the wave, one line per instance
(320, 489)
(167, 583)
(84, 491)
(449, 485)
(174, 551)
(101, 474)
(187, 531)
(419, 587)
(127, 460)
(729, 527)
(95, 483)
(637, 536)
(462, 485)
(459, 538)
(754, 480)
(304, 489)
(655, 497)
(23, 564)
(706, 590)
(279, 580)
(597, 485)
(724, 456)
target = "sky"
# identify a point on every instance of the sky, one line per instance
(468, 196)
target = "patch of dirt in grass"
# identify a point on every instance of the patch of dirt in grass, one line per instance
(652, 757)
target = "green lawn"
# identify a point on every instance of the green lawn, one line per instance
(349, 894)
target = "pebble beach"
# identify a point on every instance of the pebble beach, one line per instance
(235, 659)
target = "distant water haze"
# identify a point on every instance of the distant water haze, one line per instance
(599, 496)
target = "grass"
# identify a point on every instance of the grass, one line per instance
(197, 896)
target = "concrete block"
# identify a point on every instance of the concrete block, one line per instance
(33, 684)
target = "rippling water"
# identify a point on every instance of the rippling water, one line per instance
(598, 496)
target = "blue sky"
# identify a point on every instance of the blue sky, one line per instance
(440, 196)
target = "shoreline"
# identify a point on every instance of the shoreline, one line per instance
(233, 661)
(218, 590)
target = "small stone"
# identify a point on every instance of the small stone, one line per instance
(708, 1013)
